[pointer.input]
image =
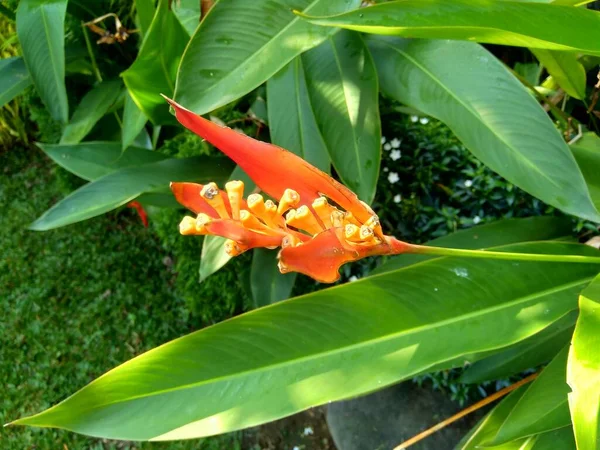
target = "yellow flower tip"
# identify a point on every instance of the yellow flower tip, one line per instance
(271, 217)
(201, 221)
(352, 232)
(337, 218)
(323, 210)
(282, 267)
(232, 248)
(187, 226)
(349, 218)
(290, 241)
(366, 233)
(289, 199)
(211, 193)
(374, 224)
(235, 194)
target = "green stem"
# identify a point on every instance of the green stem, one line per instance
(88, 44)
(442, 251)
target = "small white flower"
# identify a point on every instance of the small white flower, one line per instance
(296, 447)
(385, 169)
(424, 120)
(309, 430)
(395, 142)
(393, 177)
(414, 119)
(387, 147)
(397, 198)
(476, 220)
(395, 155)
(382, 140)
(352, 278)
(468, 183)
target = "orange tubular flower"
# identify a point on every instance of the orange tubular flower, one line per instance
(316, 237)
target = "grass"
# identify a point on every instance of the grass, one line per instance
(74, 303)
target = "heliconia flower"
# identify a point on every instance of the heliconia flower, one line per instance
(318, 222)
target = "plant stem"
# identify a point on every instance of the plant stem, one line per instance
(442, 251)
(464, 412)
(88, 44)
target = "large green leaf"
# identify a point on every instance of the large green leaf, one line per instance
(40, 27)
(501, 232)
(292, 121)
(133, 122)
(145, 13)
(325, 346)
(490, 112)
(155, 68)
(91, 109)
(583, 370)
(240, 45)
(343, 87)
(566, 70)
(587, 153)
(505, 22)
(543, 407)
(118, 188)
(14, 78)
(188, 14)
(531, 352)
(267, 283)
(93, 160)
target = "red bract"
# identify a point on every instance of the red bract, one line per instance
(316, 237)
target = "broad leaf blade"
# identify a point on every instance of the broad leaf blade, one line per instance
(501, 232)
(91, 109)
(267, 283)
(118, 188)
(157, 61)
(40, 27)
(543, 407)
(133, 122)
(344, 92)
(14, 78)
(145, 13)
(222, 64)
(329, 345)
(500, 22)
(292, 121)
(489, 111)
(583, 370)
(93, 160)
(531, 352)
(188, 14)
(566, 70)
(587, 154)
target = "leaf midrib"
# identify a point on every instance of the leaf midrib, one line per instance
(55, 76)
(355, 346)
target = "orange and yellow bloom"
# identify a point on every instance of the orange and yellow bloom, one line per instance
(318, 222)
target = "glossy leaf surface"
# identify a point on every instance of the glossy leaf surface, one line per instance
(543, 407)
(157, 61)
(227, 57)
(118, 188)
(501, 232)
(497, 22)
(267, 283)
(91, 109)
(328, 345)
(587, 153)
(566, 70)
(14, 78)
(188, 14)
(40, 28)
(583, 370)
(292, 121)
(344, 92)
(489, 111)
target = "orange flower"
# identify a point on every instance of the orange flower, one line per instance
(318, 222)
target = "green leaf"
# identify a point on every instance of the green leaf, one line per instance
(93, 160)
(505, 23)
(134, 121)
(188, 14)
(501, 232)
(40, 28)
(91, 109)
(240, 45)
(587, 154)
(267, 283)
(329, 345)
(14, 78)
(145, 12)
(155, 68)
(543, 407)
(489, 111)
(343, 87)
(566, 70)
(561, 439)
(120, 187)
(531, 352)
(292, 121)
(487, 427)
(583, 370)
